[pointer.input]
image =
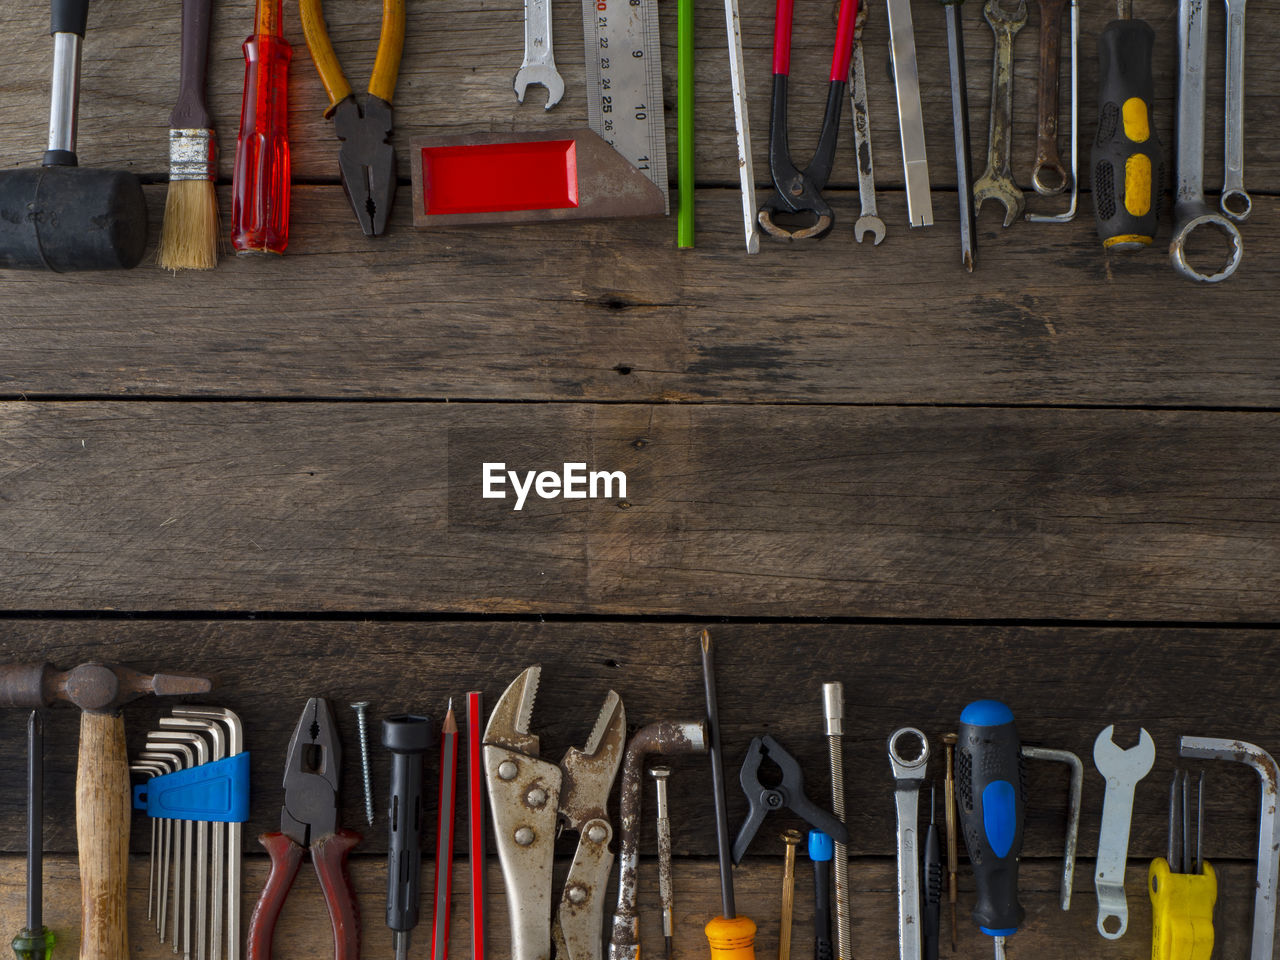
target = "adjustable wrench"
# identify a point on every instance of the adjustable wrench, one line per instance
(869, 221)
(908, 775)
(997, 180)
(1189, 209)
(1233, 183)
(1122, 770)
(1048, 176)
(539, 60)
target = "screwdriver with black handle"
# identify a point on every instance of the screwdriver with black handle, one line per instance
(1127, 159)
(991, 796)
(931, 870)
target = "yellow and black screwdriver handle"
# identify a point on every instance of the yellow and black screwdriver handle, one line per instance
(1127, 160)
(1181, 912)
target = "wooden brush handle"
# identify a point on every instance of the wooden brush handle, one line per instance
(102, 836)
(190, 112)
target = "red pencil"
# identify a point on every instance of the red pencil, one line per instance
(444, 836)
(475, 774)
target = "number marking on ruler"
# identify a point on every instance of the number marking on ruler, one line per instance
(624, 83)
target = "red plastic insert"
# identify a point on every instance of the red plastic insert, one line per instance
(485, 178)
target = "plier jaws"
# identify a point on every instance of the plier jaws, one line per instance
(311, 776)
(367, 160)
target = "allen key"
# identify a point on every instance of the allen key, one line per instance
(1073, 801)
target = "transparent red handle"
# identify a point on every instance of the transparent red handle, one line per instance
(260, 182)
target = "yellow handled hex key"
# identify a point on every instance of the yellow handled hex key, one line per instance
(1183, 893)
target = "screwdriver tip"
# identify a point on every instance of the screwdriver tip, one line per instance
(968, 260)
(706, 641)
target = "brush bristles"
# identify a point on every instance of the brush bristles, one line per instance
(189, 233)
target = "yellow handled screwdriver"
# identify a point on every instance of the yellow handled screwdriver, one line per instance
(1182, 894)
(730, 936)
(1127, 160)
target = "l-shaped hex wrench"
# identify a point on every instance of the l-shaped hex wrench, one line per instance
(1264, 898)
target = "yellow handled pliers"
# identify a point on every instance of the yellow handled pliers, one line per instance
(366, 159)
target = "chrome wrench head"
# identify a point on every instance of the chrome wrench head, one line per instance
(539, 65)
(1190, 211)
(1264, 897)
(996, 181)
(1122, 770)
(908, 775)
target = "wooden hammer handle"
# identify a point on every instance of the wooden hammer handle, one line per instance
(102, 836)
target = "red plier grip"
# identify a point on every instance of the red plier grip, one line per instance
(329, 857)
(840, 57)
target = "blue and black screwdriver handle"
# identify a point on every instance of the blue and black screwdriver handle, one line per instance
(991, 797)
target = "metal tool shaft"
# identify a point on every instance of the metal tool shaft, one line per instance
(953, 860)
(960, 130)
(833, 712)
(717, 781)
(791, 838)
(35, 821)
(665, 893)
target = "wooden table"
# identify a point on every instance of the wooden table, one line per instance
(1054, 481)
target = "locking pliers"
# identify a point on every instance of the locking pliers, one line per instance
(532, 801)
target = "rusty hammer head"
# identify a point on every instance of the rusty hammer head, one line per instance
(93, 687)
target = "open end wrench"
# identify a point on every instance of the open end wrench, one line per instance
(1233, 192)
(1049, 177)
(539, 65)
(1122, 770)
(1264, 896)
(908, 775)
(997, 181)
(1190, 211)
(742, 126)
(869, 221)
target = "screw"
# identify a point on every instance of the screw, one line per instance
(949, 798)
(360, 706)
(791, 838)
(833, 715)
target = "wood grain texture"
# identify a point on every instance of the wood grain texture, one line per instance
(1065, 684)
(102, 813)
(304, 926)
(748, 511)
(460, 58)
(612, 311)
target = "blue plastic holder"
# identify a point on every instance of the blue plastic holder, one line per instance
(215, 792)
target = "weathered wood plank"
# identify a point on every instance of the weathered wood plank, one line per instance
(1065, 684)
(613, 311)
(304, 929)
(460, 59)
(751, 511)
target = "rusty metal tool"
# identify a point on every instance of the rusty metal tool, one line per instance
(530, 799)
(949, 800)
(669, 738)
(996, 181)
(833, 714)
(103, 795)
(309, 823)
(227, 834)
(908, 775)
(407, 737)
(1048, 176)
(1122, 770)
(869, 221)
(35, 941)
(797, 193)
(791, 838)
(1070, 213)
(1073, 812)
(742, 126)
(366, 159)
(661, 774)
(960, 131)
(1264, 893)
(729, 936)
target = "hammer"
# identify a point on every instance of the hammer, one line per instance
(103, 797)
(60, 216)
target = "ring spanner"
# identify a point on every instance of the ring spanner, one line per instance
(908, 775)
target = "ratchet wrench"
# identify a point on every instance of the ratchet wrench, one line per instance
(908, 775)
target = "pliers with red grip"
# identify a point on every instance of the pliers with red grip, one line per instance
(309, 821)
(798, 193)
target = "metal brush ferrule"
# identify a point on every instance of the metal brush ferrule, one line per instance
(193, 155)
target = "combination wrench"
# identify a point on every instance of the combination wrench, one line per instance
(539, 65)
(997, 180)
(1189, 210)
(869, 221)
(1049, 176)
(908, 775)
(1122, 770)
(1233, 190)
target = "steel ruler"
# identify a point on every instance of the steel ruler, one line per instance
(624, 83)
